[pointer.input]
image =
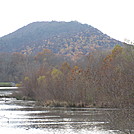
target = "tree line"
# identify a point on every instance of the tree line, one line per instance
(101, 79)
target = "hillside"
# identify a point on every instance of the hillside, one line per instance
(66, 38)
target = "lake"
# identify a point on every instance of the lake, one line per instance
(27, 117)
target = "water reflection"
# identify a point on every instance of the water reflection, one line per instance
(27, 117)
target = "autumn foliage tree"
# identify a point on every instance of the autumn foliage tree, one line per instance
(101, 79)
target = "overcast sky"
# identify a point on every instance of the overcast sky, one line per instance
(112, 17)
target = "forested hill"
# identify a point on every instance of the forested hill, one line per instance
(66, 38)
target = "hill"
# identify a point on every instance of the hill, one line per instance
(66, 38)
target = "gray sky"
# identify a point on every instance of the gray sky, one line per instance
(112, 17)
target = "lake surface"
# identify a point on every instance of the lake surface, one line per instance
(26, 117)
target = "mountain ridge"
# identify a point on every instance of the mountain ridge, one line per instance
(65, 38)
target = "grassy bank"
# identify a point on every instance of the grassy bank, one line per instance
(6, 84)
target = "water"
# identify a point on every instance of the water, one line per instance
(26, 117)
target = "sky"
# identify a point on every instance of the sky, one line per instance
(113, 17)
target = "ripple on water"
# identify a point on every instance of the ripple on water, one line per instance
(53, 131)
(25, 117)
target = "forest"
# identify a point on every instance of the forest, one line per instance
(64, 38)
(99, 79)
